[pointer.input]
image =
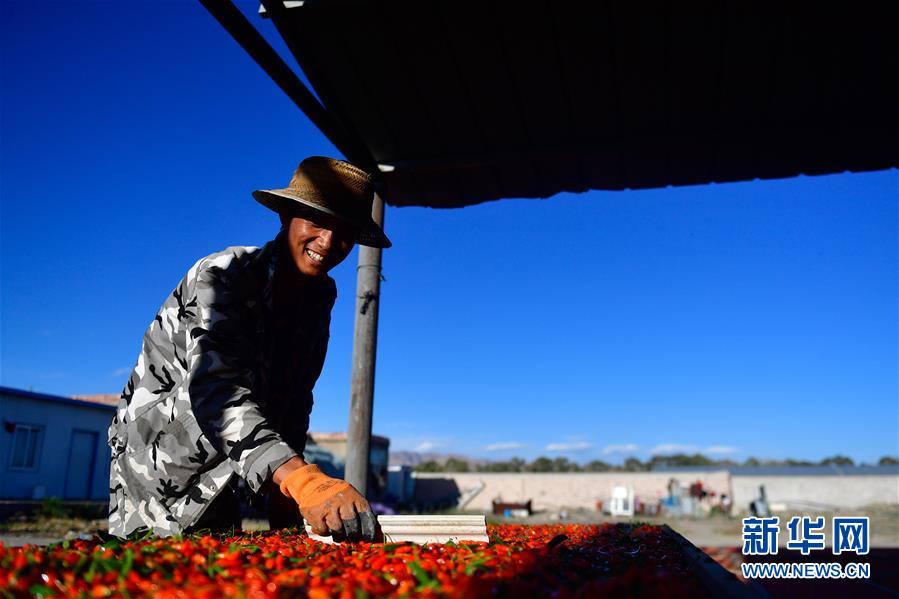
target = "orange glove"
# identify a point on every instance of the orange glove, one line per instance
(330, 505)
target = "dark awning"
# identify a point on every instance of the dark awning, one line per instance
(464, 102)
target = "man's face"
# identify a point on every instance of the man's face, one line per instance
(318, 243)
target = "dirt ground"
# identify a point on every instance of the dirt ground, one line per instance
(716, 531)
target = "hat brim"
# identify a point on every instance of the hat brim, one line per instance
(286, 201)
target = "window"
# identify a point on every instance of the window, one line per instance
(26, 443)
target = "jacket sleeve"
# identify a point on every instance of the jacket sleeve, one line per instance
(221, 346)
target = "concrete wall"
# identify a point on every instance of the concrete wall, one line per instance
(835, 491)
(57, 466)
(551, 491)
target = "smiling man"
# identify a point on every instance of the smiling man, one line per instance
(223, 384)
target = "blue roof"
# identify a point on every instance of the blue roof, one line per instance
(55, 398)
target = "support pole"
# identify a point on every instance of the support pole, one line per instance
(365, 341)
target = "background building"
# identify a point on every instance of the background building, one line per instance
(335, 445)
(53, 446)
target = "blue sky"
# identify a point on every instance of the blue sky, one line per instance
(755, 318)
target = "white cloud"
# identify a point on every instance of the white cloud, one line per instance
(428, 446)
(719, 449)
(575, 446)
(504, 446)
(626, 448)
(673, 448)
(121, 371)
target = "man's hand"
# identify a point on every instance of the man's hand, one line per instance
(330, 505)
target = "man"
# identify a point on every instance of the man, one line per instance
(223, 384)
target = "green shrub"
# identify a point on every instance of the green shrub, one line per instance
(52, 507)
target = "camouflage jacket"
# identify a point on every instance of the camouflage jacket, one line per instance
(201, 403)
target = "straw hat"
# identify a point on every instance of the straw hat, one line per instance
(333, 187)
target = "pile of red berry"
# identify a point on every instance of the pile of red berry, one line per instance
(520, 561)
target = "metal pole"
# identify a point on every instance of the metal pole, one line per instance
(365, 341)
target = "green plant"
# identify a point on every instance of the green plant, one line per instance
(52, 507)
